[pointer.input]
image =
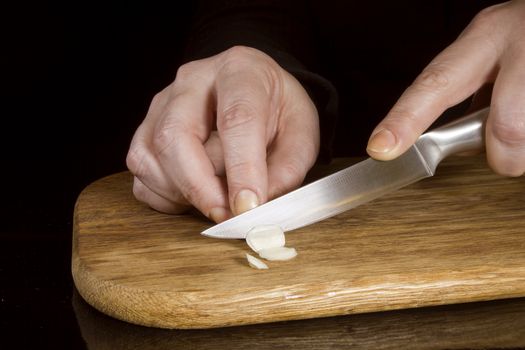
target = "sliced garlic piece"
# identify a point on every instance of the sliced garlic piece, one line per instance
(268, 241)
(278, 253)
(256, 263)
(264, 237)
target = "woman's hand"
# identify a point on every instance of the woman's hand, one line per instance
(230, 132)
(490, 50)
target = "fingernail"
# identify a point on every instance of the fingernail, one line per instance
(245, 201)
(382, 142)
(218, 214)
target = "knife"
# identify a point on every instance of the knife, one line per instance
(360, 183)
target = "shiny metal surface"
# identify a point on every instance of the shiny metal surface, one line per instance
(463, 135)
(360, 183)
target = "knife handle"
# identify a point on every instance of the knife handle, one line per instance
(466, 134)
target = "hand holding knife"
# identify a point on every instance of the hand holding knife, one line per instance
(360, 183)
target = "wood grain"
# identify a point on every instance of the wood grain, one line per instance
(456, 237)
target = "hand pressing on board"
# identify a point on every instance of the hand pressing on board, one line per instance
(490, 50)
(230, 132)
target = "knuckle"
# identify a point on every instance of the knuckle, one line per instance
(157, 99)
(490, 25)
(238, 54)
(433, 78)
(163, 138)
(241, 59)
(243, 173)
(486, 18)
(186, 71)
(234, 64)
(135, 159)
(240, 166)
(403, 120)
(235, 115)
(402, 115)
(509, 129)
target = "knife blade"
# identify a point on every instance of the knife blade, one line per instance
(360, 183)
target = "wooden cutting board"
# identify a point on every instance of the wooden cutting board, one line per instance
(456, 237)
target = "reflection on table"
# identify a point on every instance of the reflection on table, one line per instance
(487, 325)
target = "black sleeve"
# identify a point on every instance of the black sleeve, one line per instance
(282, 29)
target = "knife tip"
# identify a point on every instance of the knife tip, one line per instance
(207, 232)
(213, 232)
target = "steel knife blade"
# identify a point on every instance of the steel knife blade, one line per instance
(359, 183)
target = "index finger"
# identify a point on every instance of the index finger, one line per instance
(179, 144)
(454, 75)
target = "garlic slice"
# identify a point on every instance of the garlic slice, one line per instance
(268, 241)
(264, 237)
(256, 263)
(278, 253)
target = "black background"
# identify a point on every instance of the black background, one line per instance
(80, 80)
(77, 81)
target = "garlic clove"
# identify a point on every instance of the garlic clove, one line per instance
(278, 253)
(264, 237)
(256, 263)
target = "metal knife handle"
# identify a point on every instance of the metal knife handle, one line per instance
(462, 135)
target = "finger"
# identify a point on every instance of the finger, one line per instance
(455, 74)
(295, 148)
(505, 132)
(178, 145)
(144, 194)
(213, 149)
(243, 109)
(145, 167)
(140, 159)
